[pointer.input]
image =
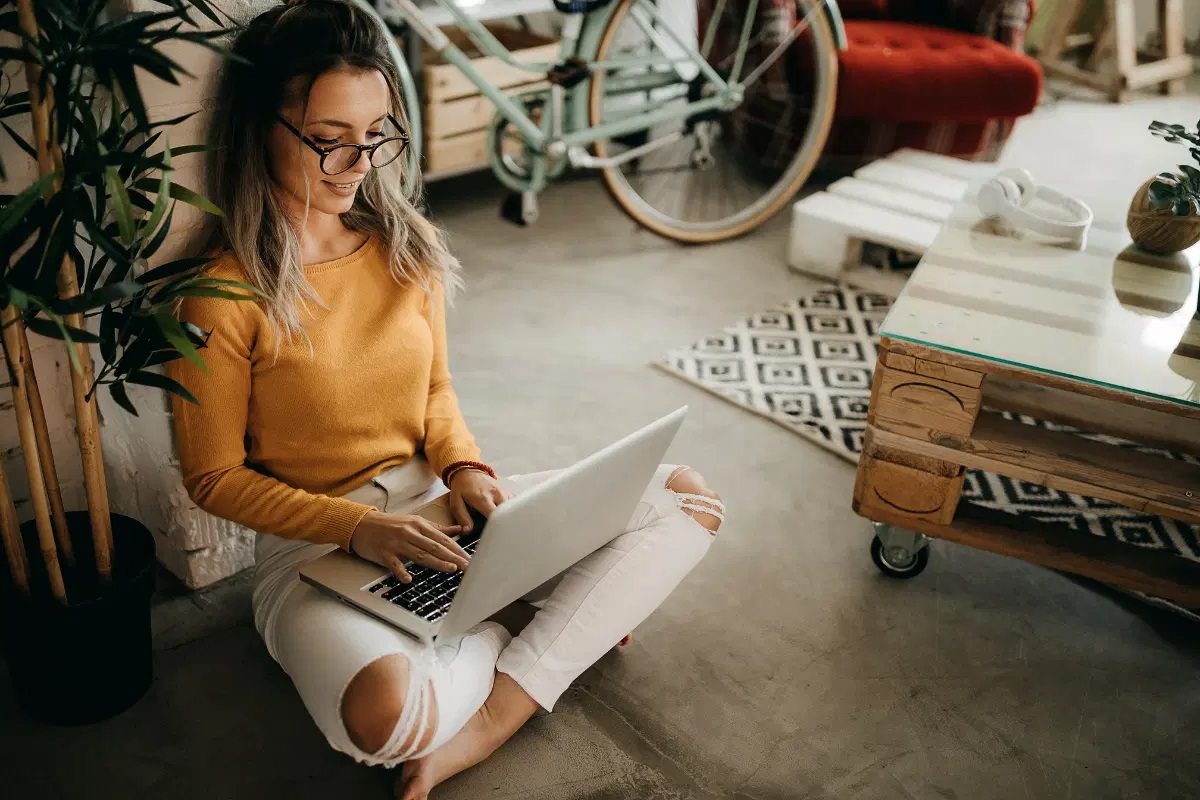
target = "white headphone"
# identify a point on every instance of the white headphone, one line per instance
(1006, 195)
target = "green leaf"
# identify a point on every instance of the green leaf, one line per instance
(182, 193)
(19, 206)
(121, 397)
(166, 123)
(162, 200)
(56, 322)
(18, 54)
(13, 109)
(105, 242)
(130, 92)
(1183, 207)
(1162, 195)
(186, 149)
(55, 328)
(159, 237)
(21, 143)
(154, 379)
(1190, 171)
(18, 298)
(177, 336)
(142, 202)
(109, 293)
(108, 334)
(122, 207)
(207, 10)
(173, 268)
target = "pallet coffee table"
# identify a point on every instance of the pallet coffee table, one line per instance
(1105, 339)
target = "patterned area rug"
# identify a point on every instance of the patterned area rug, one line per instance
(808, 366)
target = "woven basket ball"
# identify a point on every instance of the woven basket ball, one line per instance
(1160, 231)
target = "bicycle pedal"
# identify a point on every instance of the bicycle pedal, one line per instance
(520, 208)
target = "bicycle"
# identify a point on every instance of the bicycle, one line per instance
(663, 99)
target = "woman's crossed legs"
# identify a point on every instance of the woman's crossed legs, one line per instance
(471, 698)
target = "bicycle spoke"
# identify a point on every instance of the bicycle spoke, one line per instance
(761, 150)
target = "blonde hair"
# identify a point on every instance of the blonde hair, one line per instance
(277, 56)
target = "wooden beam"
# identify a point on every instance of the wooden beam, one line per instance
(1087, 388)
(1060, 28)
(1061, 69)
(1124, 22)
(1139, 569)
(1165, 71)
(1068, 463)
(1171, 28)
(1093, 414)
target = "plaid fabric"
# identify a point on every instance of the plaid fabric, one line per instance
(779, 105)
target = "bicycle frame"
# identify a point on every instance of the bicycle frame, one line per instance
(580, 34)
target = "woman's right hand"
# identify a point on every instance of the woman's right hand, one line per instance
(391, 539)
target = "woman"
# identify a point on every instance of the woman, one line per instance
(327, 415)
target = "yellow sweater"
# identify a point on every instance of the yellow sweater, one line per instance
(274, 441)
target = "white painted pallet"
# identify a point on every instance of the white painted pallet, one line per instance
(900, 202)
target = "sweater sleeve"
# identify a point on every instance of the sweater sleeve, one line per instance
(447, 438)
(211, 436)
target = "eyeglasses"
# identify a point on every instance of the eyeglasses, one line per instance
(340, 157)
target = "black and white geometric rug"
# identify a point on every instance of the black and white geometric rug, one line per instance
(808, 364)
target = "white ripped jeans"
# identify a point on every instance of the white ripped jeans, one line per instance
(323, 644)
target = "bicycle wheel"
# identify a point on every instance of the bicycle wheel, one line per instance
(720, 175)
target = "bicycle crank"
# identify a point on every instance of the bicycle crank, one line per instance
(520, 208)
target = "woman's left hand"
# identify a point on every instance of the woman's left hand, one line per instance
(476, 489)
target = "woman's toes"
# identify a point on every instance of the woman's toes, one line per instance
(411, 783)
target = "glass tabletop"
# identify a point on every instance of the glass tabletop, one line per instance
(1108, 313)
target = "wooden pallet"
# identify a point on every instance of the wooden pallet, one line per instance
(900, 202)
(933, 415)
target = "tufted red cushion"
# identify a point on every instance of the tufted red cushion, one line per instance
(915, 73)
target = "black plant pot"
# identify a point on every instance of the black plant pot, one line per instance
(92, 658)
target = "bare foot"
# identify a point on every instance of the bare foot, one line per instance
(507, 708)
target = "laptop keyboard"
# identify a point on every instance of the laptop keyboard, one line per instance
(430, 593)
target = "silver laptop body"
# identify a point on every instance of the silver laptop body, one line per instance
(526, 542)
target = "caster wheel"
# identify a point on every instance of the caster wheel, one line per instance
(898, 562)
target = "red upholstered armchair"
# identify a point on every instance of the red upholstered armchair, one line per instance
(948, 76)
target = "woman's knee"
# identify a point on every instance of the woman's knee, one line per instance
(696, 498)
(374, 703)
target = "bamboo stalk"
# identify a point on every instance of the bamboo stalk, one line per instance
(58, 513)
(87, 422)
(10, 532)
(16, 348)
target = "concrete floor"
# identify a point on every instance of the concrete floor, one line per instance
(786, 666)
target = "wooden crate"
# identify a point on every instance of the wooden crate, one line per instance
(456, 115)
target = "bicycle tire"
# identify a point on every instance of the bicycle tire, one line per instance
(792, 178)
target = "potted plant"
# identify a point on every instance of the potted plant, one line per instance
(1164, 216)
(75, 585)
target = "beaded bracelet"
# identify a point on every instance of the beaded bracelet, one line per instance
(458, 466)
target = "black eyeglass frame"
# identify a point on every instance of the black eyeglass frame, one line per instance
(369, 149)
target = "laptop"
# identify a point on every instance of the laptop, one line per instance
(527, 541)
